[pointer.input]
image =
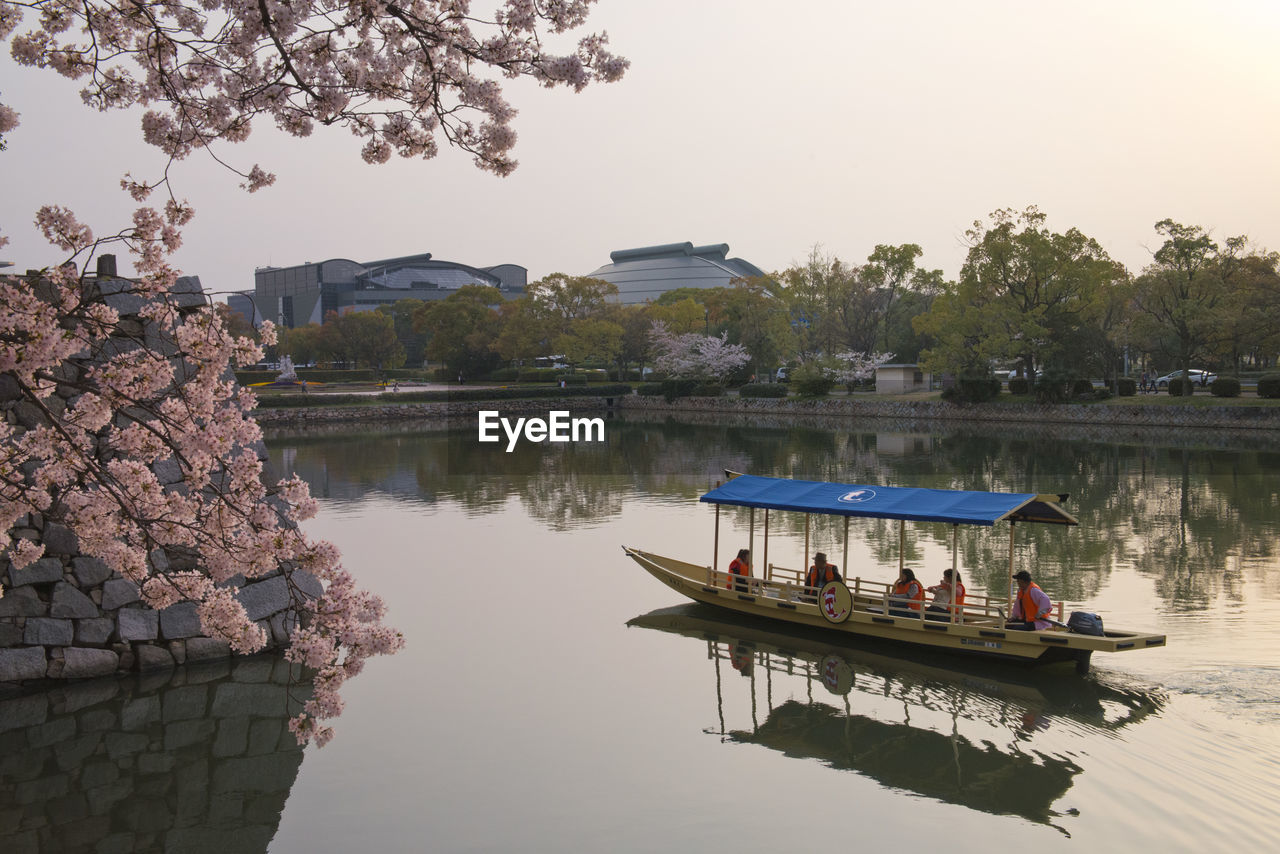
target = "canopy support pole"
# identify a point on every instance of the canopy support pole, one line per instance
(768, 573)
(902, 545)
(806, 543)
(1009, 609)
(715, 551)
(845, 563)
(751, 537)
(955, 575)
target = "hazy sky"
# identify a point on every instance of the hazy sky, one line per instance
(767, 126)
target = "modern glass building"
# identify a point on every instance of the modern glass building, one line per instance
(646, 273)
(295, 296)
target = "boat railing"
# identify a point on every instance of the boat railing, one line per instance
(868, 595)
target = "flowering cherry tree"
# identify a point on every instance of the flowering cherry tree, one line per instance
(854, 367)
(110, 399)
(399, 75)
(692, 354)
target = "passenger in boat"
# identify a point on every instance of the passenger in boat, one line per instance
(950, 591)
(908, 595)
(1031, 607)
(819, 575)
(741, 565)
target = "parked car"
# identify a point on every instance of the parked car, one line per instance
(1197, 376)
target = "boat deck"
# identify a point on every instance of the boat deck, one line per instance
(977, 626)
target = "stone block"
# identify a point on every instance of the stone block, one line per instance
(140, 712)
(95, 631)
(89, 571)
(233, 737)
(42, 571)
(68, 602)
(19, 664)
(240, 698)
(69, 699)
(136, 624)
(179, 621)
(185, 703)
(118, 592)
(307, 583)
(205, 649)
(186, 733)
(98, 773)
(44, 631)
(152, 657)
(167, 471)
(264, 736)
(10, 635)
(59, 540)
(22, 602)
(72, 753)
(9, 388)
(254, 669)
(274, 772)
(82, 663)
(264, 598)
(56, 731)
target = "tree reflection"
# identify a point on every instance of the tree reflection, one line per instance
(1189, 510)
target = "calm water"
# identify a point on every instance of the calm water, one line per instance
(553, 696)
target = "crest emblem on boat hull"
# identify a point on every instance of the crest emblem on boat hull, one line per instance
(835, 603)
(858, 496)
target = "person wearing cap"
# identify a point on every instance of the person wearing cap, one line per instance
(1031, 607)
(740, 566)
(820, 574)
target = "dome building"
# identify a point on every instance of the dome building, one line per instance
(644, 274)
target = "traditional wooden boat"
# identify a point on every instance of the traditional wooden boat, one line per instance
(859, 607)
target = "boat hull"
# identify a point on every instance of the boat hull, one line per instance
(985, 638)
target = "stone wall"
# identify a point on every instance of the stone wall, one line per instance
(299, 416)
(67, 615)
(194, 760)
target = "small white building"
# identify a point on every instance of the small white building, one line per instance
(902, 379)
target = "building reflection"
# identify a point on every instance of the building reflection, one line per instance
(961, 733)
(197, 759)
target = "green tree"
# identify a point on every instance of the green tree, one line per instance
(463, 328)
(1186, 294)
(414, 342)
(1024, 293)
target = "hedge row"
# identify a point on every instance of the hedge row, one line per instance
(763, 390)
(283, 401)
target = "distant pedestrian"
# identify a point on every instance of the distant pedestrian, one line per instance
(459, 377)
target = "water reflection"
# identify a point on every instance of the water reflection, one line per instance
(956, 732)
(1190, 510)
(193, 760)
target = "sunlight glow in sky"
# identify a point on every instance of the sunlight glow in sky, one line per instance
(767, 126)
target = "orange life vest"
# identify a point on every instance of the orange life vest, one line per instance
(828, 574)
(737, 567)
(1030, 611)
(903, 589)
(958, 598)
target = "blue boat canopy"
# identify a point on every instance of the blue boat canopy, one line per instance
(890, 502)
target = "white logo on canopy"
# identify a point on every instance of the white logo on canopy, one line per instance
(858, 496)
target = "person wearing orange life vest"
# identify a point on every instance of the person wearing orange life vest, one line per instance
(908, 595)
(1031, 607)
(947, 596)
(819, 575)
(740, 566)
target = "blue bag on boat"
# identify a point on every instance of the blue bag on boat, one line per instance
(1084, 623)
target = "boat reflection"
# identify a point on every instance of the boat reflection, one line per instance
(194, 759)
(988, 738)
